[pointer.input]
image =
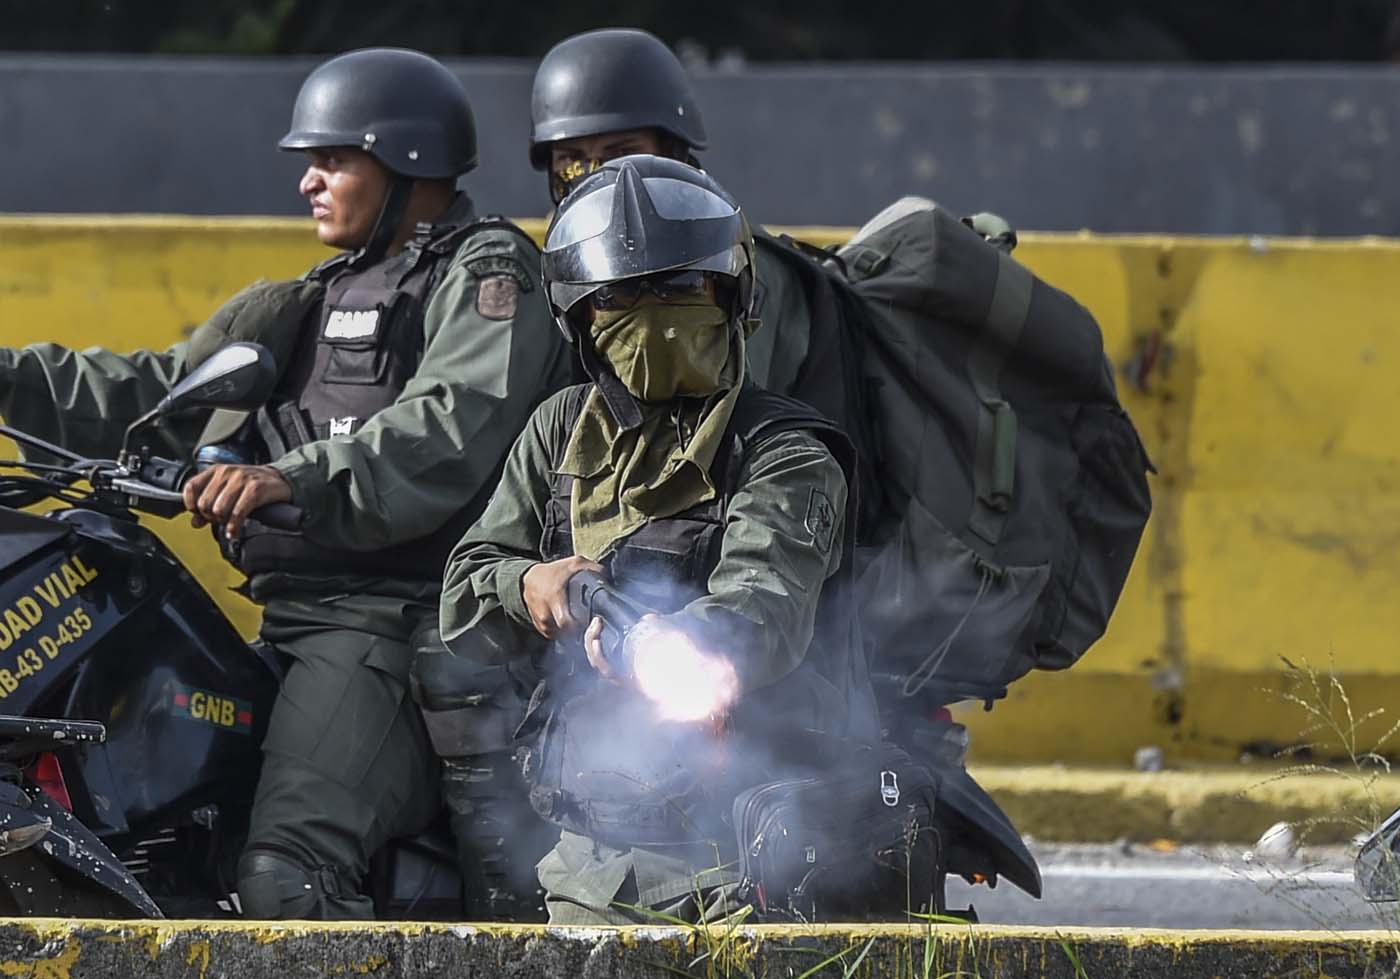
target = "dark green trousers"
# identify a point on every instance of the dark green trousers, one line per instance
(346, 761)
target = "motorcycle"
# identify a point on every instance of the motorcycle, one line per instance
(131, 711)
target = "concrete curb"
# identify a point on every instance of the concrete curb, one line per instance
(1099, 806)
(51, 949)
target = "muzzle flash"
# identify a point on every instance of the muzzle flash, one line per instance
(683, 682)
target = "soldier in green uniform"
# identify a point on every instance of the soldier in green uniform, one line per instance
(605, 93)
(718, 505)
(596, 96)
(408, 363)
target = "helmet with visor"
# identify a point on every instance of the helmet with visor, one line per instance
(646, 224)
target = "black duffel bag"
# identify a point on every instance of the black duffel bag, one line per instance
(851, 841)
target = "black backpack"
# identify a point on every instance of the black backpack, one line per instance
(1004, 489)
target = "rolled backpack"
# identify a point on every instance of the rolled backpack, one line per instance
(1004, 488)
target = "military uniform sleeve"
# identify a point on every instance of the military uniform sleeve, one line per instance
(781, 542)
(483, 614)
(85, 399)
(491, 353)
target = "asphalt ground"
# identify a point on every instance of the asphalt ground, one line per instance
(1169, 885)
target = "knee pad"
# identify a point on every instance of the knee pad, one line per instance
(271, 886)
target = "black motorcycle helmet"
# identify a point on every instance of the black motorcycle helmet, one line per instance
(639, 215)
(402, 107)
(607, 81)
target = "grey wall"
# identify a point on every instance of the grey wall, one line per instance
(1287, 150)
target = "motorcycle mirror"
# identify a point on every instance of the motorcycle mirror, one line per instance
(1377, 867)
(239, 376)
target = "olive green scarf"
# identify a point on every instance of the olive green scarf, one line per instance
(686, 365)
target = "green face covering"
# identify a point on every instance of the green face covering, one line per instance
(625, 477)
(661, 350)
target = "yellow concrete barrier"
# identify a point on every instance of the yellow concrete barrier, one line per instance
(1264, 375)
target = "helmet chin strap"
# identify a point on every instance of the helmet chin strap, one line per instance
(387, 226)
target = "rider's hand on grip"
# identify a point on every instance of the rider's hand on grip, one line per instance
(228, 494)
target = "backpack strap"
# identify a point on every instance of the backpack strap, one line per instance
(831, 378)
(574, 400)
(325, 271)
(994, 466)
(446, 239)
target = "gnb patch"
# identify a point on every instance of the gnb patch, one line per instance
(497, 296)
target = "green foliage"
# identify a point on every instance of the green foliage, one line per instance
(1080, 30)
(725, 952)
(251, 30)
(1335, 740)
(1352, 745)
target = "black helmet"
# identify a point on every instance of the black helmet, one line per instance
(638, 215)
(401, 106)
(606, 81)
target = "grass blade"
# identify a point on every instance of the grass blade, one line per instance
(652, 913)
(838, 957)
(1073, 957)
(673, 969)
(850, 970)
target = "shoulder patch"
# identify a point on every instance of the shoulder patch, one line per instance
(497, 297)
(821, 520)
(488, 266)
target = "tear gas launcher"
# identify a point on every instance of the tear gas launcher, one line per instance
(685, 682)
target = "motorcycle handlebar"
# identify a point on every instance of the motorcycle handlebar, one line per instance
(155, 481)
(279, 516)
(143, 490)
(165, 474)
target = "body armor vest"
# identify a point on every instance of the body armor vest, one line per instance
(367, 344)
(661, 798)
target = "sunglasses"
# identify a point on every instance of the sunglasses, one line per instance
(666, 286)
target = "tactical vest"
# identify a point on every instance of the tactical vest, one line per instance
(666, 563)
(367, 344)
(660, 798)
